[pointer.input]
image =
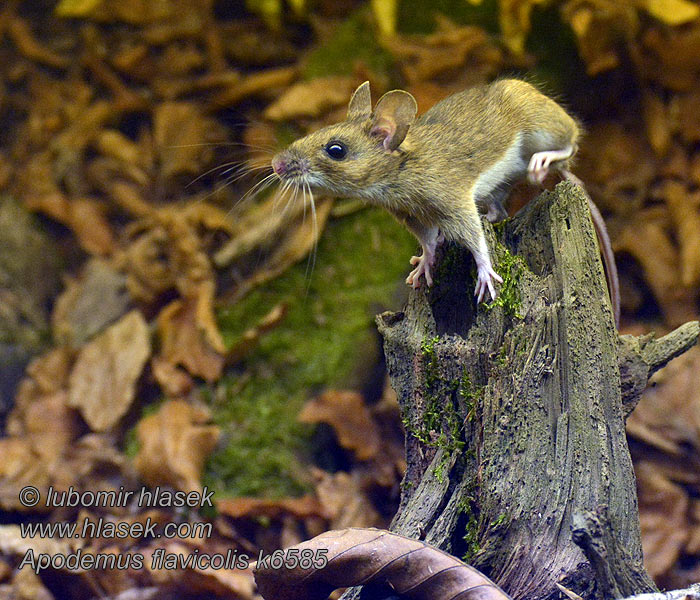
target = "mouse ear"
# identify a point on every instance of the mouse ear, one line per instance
(360, 106)
(393, 115)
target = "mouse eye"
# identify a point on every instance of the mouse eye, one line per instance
(336, 150)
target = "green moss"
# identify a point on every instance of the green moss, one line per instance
(500, 520)
(325, 335)
(510, 267)
(353, 41)
(470, 537)
(470, 395)
(415, 16)
(440, 425)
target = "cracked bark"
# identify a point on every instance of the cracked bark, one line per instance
(528, 446)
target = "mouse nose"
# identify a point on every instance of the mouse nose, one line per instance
(279, 166)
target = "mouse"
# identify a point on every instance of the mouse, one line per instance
(439, 172)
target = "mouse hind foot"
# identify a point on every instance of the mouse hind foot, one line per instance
(485, 276)
(538, 167)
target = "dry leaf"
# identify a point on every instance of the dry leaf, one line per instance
(236, 583)
(189, 336)
(20, 467)
(445, 54)
(311, 98)
(349, 557)
(668, 415)
(663, 507)
(289, 236)
(657, 123)
(173, 381)
(103, 380)
(27, 585)
(247, 508)
(347, 413)
(599, 26)
(514, 17)
(672, 12)
(385, 14)
(344, 499)
(182, 135)
(175, 442)
(686, 110)
(685, 213)
(88, 304)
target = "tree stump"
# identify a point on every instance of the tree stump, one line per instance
(517, 459)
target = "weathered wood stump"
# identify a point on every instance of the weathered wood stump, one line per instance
(515, 438)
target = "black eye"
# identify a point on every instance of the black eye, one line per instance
(336, 150)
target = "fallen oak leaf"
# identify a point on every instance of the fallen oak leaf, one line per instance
(187, 333)
(102, 384)
(347, 413)
(411, 568)
(311, 98)
(175, 442)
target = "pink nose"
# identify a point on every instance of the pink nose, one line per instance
(279, 166)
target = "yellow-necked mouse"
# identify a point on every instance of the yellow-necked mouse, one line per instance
(432, 173)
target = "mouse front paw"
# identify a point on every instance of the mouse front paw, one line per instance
(423, 266)
(484, 281)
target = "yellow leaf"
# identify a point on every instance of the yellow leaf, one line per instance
(672, 12)
(298, 6)
(269, 10)
(385, 12)
(76, 8)
(474, 2)
(514, 16)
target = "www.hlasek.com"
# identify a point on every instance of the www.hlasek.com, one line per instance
(158, 558)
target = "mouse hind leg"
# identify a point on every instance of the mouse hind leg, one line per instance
(466, 229)
(429, 238)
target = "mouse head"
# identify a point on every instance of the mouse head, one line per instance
(352, 156)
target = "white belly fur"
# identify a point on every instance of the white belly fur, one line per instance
(510, 166)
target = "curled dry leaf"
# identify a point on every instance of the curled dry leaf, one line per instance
(300, 508)
(103, 381)
(311, 98)
(412, 569)
(344, 500)
(514, 17)
(347, 413)
(599, 25)
(663, 518)
(657, 123)
(168, 249)
(685, 214)
(173, 381)
(26, 585)
(84, 216)
(423, 58)
(190, 336)
(175, 442)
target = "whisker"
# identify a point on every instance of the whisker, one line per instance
(314, 233)
(237, 164)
